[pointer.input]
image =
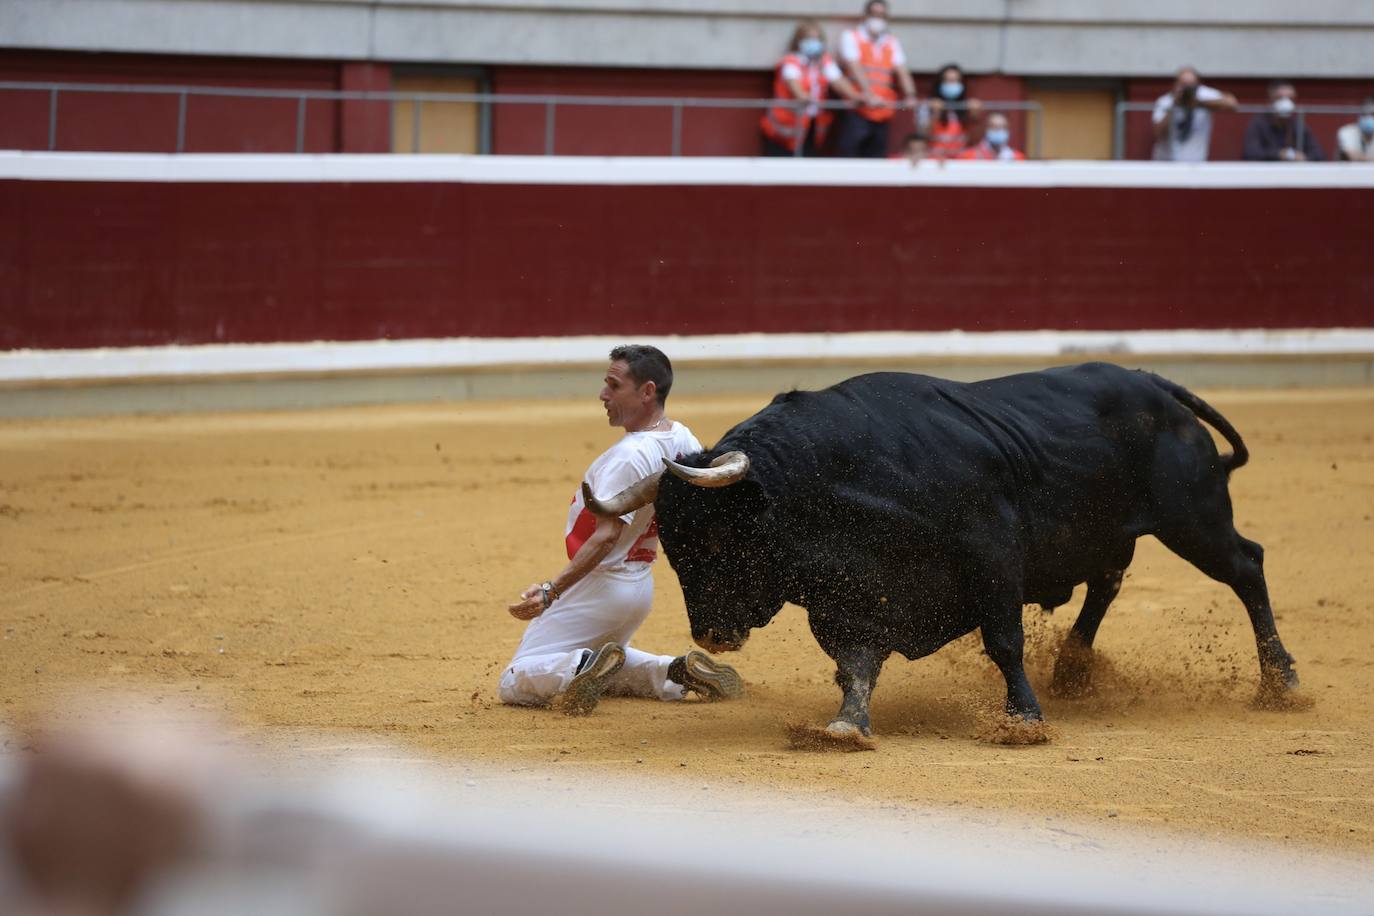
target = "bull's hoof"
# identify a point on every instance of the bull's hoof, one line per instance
(1278, 690)
(1014, 730)
(837, 736)
(1073, 671)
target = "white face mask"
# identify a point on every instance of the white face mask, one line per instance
(876, 25)
(1283, 106)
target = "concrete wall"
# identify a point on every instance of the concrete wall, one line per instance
(1318, 38)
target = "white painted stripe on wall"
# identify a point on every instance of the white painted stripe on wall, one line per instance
(650, 170)
(471, 352)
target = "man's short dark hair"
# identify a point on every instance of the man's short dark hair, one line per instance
(646, 364)
(872, 3)
(1276, 85)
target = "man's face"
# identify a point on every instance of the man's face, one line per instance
(623, 399)
(1187, 79)
(1282, 100)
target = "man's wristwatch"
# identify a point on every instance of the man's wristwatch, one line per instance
(546, 589)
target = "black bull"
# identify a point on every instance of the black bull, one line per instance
(904, 511)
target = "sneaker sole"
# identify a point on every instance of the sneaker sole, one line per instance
(585, 689)
(712, 680)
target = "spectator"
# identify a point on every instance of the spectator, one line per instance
(1356, 140)
(996, 143)
(876, 65)
(1275, 136)
(804, 75)
(915, 147)
(1183, 118)
(950, 116)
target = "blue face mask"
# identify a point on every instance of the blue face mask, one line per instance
(811, 47)
(1367, 124)
(951, 91)
(998, 137)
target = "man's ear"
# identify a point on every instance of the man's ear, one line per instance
(650, 390)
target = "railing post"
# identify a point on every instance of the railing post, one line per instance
(181, 121)
(1119, 132)
(1039, 113)
(415, 125)
(1298, 145)
(677, 129)
(300, 125)
(52, 120)
(548, 127)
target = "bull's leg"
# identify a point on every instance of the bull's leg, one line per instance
(1239, 563)
(1195, 521)
(1276, 665)
(1004, 640)
(856, 674)
(1073, 667)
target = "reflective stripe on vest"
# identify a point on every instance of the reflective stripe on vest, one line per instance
(947, 138)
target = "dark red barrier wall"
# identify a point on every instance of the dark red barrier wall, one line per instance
(95, 264)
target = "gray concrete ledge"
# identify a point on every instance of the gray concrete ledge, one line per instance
(283, 392)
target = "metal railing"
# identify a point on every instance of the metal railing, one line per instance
(1299, 114)
(485, 100)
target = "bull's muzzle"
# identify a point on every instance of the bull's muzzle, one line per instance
(714, 641)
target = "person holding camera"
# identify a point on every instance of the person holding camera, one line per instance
(1183, 118)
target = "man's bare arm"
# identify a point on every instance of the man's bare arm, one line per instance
(906, 83)
(1161, 126)
(846, 89)
(591, 553)
(1227, 102)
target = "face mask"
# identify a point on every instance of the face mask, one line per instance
(951, 91)
(1283, 106)
(812, 47)
(1367, 124)
(999, 137)
(876, 25)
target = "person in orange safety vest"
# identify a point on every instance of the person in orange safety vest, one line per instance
(797, 125)
(953, 119)
(876, 64)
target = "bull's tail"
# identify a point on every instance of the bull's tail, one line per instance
(1212, 417)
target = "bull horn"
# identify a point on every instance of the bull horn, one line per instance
(635, 496)
(725, 470)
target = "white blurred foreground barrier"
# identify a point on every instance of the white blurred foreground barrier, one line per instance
(157, 825)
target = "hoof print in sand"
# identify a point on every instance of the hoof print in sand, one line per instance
(837, 736)
(1013, 730)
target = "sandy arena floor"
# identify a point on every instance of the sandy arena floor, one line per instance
(349, 569)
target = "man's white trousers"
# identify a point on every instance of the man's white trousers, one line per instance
(602, 608)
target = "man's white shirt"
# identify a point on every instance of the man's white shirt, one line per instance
(636, 456)
(1170, 148)
(849, 45)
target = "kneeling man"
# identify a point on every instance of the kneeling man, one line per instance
(576, 647)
